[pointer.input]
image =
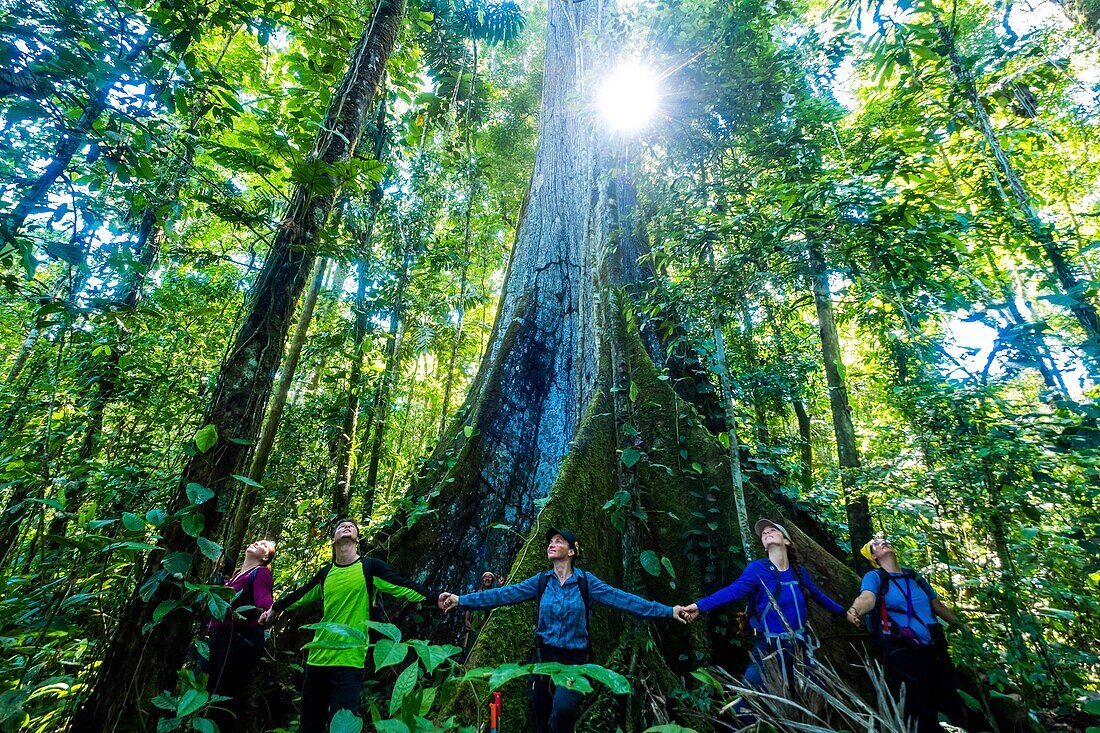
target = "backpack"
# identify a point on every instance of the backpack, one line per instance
(752, 622)
(877, 620)
(582, 585)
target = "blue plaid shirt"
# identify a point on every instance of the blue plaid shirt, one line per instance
(561, 613)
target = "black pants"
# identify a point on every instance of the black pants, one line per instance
(326, 691)
(555, 708)
(928, 674)
(234, 655)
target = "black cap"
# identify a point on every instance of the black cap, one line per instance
(568, 536)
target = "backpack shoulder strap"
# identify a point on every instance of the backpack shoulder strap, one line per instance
(586, 594)
(544, 578)
(921, 582)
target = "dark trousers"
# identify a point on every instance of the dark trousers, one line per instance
(779, 655)
(555, 708)
(326, 691)
(234, 655)
(928, 674)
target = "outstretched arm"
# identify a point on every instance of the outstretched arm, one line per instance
(507, 595)
(863, 603)
(945, 613)
(820, 596)
(609, 595)
(389, 581)
(307, 593)
(736, 590)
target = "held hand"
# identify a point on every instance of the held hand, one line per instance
(689, 613)
(267, 617)
(448, 602)
(852, 616)
(679, 614)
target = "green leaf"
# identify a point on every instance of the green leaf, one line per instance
(163, 609)
(133, 522)
(504, 674)
(177, 563)
(193, 524)
(667, 564)
(431, 656)
(388, 652)
(198, 494)
(246, 481)
(633, 394)
(212, 550)
(206, 438)
(1092, 707)
(617, 683)
(191, 701)
(630, 456)
(388, 630)
(346, 721)
(405, 683)
(204, 725)
(650, 562)
(11, 703)
(156, 516)
(387, 726)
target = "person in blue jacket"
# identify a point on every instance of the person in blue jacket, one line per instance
(904, 618)
(778, 586)
(564, 595)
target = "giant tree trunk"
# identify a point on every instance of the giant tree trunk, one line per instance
(135, 665)
(568, 423)
(859, 515)
(539, 368)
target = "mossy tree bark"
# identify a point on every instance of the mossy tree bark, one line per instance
(136, 664)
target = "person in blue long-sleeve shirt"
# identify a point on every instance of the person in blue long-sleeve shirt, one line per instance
(779, 586)
(561, 634)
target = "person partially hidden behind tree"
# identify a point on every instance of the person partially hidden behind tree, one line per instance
(563, 598)
(346, 589)
(900, 610)
(473, 619)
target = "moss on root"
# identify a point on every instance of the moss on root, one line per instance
(688, 518)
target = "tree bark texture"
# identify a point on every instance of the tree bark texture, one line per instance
(346, 443)
(138, 665)
(249, 495)
(859, 515)
(539, 368)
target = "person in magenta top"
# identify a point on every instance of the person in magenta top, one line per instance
(237, 640)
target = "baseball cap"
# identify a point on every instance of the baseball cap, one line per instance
(568, 536)
(762, 524)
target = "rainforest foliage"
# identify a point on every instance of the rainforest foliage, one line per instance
(867, 260)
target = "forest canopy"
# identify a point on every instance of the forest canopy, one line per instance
(462, 269)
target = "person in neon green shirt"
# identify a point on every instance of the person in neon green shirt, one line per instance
(346, 589)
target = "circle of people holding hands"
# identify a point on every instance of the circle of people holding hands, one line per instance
(898, 606)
